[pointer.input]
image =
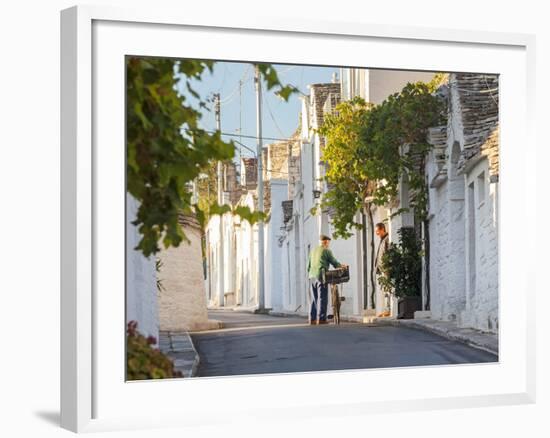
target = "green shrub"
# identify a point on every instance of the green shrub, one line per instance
(143, 360)
(402, 265)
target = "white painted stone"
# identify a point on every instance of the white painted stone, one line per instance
(463, 237)
(141, 287)
(274, 251)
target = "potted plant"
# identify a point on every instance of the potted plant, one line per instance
(402, 272)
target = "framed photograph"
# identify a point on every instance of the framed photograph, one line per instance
(253, 208)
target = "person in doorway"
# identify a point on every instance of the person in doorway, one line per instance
(320, 259)
(380, 230)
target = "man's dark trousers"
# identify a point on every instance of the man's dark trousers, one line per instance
(319, 301)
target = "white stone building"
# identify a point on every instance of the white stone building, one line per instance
(463, 169)
(302, 230)
(240, 238)
(461, 264)
(301, 227)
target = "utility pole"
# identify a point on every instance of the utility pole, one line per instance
(261, 289)
(240, 119)
(221, 286)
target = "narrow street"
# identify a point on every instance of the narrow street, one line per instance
(258, 344)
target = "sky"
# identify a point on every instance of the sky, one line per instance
(238, 104)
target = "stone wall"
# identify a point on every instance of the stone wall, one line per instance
(182, 302)
(231, 183)
(276, 163)
(319, 95)
(478, 99)
(294, 170)
(249, 172)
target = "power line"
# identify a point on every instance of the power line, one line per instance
(223, 79)
(272, 117)
(234, 92)
(286, 70)
(252, 136)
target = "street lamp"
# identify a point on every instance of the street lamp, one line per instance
(246, 147)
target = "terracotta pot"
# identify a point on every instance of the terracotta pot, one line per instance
(406, 307)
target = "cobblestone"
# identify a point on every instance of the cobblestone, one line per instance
(179, 347)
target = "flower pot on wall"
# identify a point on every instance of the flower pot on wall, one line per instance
(406, 306)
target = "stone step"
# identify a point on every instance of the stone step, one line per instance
(369, 315)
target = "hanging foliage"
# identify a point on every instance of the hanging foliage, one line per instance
(370, 147)
(166, 148)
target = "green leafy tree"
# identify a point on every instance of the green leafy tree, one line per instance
(207, 187)
(369, 148)
(347, 166)
(166, 147)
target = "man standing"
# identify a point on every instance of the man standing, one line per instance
(380, 230)
(320, 259)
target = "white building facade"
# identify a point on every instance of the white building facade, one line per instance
(463, 170)
(240, 238)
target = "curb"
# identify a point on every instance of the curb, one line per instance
(286, 314)
(348, 318)
(180, 348)
(473, 338)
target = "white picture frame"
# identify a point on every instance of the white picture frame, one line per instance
(92, 396)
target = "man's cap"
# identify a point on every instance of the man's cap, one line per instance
(324, 237)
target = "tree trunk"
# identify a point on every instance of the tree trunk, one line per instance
(372, 253)
(426, 224)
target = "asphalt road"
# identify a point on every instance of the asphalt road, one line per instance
(261, 344)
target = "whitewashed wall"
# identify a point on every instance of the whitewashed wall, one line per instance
(241, 255)
(447, 225)
(463, 237)
(141, 287)
(348, 251)
(274, 282)
(482, 285)
(246, 259)
(382, 83)
(294, 262)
